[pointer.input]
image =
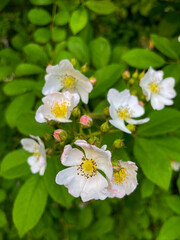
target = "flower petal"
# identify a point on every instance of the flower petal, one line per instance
(30, 145)
(167, 86)
(53, 84)
(135, 122)
(71, 156)
(158, 102)
(119, 123)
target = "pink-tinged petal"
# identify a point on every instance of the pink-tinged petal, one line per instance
(135, 122)
(29, 145)
(119, 123)
(119, 193)
(71, 156)
(93, 187)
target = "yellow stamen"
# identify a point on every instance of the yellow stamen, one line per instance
(59, 110)
(69, 82)
(87, 168)
(120, 176)
(37, 155)
(124, 113)
(154, 87)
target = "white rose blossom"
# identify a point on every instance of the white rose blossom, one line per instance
(175, 165)
(124, 179)
(57, 107)
(38, 160)
(124, 107)
(160, 92)
(64, 76)
(82, 178)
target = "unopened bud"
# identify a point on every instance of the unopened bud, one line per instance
(76, 112)
(141, 75)
(93, 80)
(106, 111)
(60, 135)
(74, 62)
(131, 81)
(118, 143)
(150, 44)
(84, 68)
(86, 121)
(134, 92)
(126, 75)
(47, 136)
(135, 74)
(49, 65)
(131, 127)
(93, 140)
(141, 103)
(104, 127)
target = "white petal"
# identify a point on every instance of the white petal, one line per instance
(83, 94)
(34, 168)
(167, 86)
(93, 187)
(113, 111)
(71, 156)
(53, 84)
(41, 114)
(134, 106)
(119, 123)
(175, 165)
(135, 122)
(104, 147)
(158, 102)
(32, 160)
(30, 145)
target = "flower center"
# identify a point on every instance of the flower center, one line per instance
(154, 87)
(60, 110)
(37, 155)
(120, 176)
(124, 112)
(69, 82)
(87, 168)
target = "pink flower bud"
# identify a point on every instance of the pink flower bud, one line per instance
(86, 121)
(93, 81)
(141, 103)
(49, 65)
(56, 134)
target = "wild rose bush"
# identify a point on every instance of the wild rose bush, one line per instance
(90, 120)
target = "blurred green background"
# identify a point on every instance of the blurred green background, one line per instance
(105, 38)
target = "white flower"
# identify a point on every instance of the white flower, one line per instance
(159, 91)
(64, 76)
(82, 178)
(124, 180)
(124, 107)
(38, 160)
(57, 107)
(175, 165)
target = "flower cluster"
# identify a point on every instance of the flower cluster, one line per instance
(90, 173)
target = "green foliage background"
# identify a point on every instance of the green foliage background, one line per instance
(111, 36)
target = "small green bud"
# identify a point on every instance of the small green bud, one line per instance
(135, 74)
(119, 143)
(104, 127)
(131, 127)
(126, 75)
(141, 75)
(106, 111)
(131, 81)
(63, 135)
(74, 62)
(134, 92)
(76, 112)
(93, 140)
(47, 136)
(84, 68)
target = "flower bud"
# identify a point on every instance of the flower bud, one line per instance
(93, 80)
(93, 140)
(141, 103)
(86, 121)
(131, 81)
(47, 136)
(126, 75)
(74, 62)
(106, 111)
(60, 135)
(141, 75)
(131, 127)
(135, 74)
(104, 127)
(76, 112)
(84, 68)
(118, 143)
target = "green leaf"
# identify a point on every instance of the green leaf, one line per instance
(10, 55)
(35, 54)
(17, 107)
(29, 204)
(5, 71)
(58, 34)
(173, 202)
(16, 87)
(147, 188)
(39, 16)
(101, 7)
(25, 69)
(26, 124)
(85, 217)
(19, 41)
(42, 35)
(61, 18)
(165, 46)
(170, 229)
(2, 195)
(63, 55)
(41, 2)
(172, 70)
(14, 164)
(3, 218)
(79, 49)
(161, 122)
(143, 58)
(79, 19)
(102, 226)
(154, 163)
(106, 77)
(100, 52)
(57, 192)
